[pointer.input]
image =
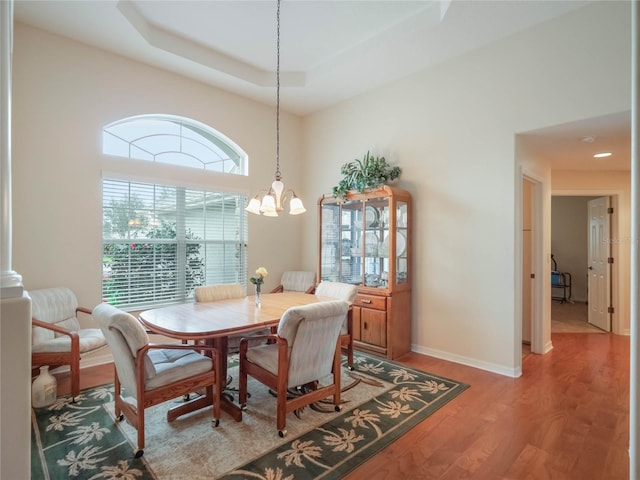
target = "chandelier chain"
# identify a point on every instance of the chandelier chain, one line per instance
(278, 175)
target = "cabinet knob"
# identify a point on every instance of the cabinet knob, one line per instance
(365, 301)
(365, 325)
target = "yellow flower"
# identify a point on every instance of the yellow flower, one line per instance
(261, 273)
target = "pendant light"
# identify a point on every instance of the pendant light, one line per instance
(274, 198)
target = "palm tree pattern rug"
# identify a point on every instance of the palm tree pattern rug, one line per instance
(382, 401)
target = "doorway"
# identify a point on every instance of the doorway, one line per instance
(609, 256)
(580, 249)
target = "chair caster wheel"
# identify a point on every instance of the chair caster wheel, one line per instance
(120, 417)
(215, 422)
(350, 368)
(338, 408)
(243, 407)
(139, 453)
(186, 397)
(282, 433)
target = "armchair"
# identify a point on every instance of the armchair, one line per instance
(346, 292)
(154, 373)
(56, 336)
(296, 281)
(305, 350)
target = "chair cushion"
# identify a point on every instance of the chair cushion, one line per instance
(298, 281)
(53, 305)
(125, 337)
(56, 306)
(266, 356)
(212, 293)
(173, 365)
(90, 339)
(339, 291)
(312, 333)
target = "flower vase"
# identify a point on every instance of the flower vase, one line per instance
(44, 389)
(258, 298)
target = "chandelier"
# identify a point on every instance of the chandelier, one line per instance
(273, 198)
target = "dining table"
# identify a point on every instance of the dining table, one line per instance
(212, 323)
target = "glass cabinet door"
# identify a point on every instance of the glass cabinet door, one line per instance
(401, 242)
(376, 239)
(330, 245)
(364, 241)
(350, 228)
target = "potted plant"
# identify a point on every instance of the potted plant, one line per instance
(368, 173)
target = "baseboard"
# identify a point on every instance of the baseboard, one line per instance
(471, 362)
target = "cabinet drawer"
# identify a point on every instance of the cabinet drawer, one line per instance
(371, 301)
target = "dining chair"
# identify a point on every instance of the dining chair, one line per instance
(153, 373)
(346, 292)
(296, 281)
(305, 350)
(56, 336)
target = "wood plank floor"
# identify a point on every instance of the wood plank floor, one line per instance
(566, 418)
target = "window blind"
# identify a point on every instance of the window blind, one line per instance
(160, 242)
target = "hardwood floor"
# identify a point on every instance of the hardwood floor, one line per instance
(566, 418)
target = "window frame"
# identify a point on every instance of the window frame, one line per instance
(161, 175)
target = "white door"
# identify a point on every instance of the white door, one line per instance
(598, 268)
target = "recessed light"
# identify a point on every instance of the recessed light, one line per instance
(602, 155)
(588, 139)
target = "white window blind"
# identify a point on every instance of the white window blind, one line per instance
(159, 242)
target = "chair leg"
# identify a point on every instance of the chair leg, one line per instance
(75, 378)
(242, 380)
(281, 408)
(350, 353)
(337, 374)
(140, 426)
(117, 392)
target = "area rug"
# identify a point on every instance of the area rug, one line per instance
(82, 440)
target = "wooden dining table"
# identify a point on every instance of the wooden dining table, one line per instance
(213, 323)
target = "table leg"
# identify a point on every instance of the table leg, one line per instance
(221, 345)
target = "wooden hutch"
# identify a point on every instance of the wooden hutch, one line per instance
(365, 240)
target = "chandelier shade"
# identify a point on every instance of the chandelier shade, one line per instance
(274, 198)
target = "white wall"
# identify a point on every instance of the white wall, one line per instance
(63, 94)
(451, 129)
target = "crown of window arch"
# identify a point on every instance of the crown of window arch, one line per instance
(173, 140)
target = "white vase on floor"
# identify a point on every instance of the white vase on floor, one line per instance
(44, 389)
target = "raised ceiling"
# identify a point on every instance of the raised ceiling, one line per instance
(330, 50)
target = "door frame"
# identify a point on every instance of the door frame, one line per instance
(538, 344)
(617, 325)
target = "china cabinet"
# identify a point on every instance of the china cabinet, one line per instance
(365, 240)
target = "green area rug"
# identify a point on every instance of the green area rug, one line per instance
(82, 440)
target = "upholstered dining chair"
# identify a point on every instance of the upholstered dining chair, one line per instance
(56, 336)
(306, 349)
(212, 293)
(153, 373)
(296, 281)
(346, 292)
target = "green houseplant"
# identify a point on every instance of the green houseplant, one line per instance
(368, 173)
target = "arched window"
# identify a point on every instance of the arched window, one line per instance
(175, 140)
(161, 240)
